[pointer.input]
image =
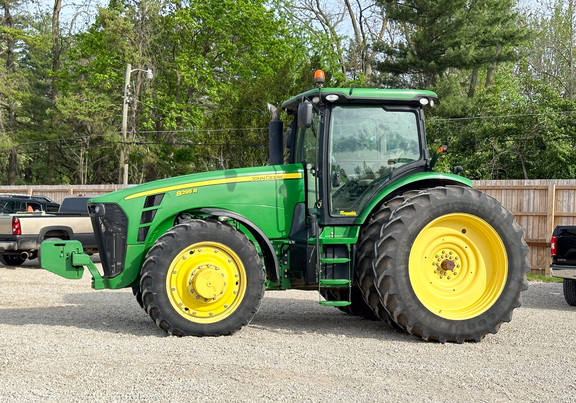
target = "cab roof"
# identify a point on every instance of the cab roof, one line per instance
(361, 95)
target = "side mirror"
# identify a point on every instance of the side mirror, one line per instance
(305, 114)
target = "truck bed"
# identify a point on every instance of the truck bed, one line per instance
(37, 227)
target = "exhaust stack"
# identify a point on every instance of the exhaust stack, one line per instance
(275, 140)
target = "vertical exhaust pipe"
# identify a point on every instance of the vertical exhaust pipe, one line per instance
(275, 140)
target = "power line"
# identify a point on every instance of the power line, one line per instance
(260, 129)
(203, 130)
(192, 131)
(143, 143)
(501, 116)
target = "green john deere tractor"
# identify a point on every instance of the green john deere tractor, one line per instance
(357, 213)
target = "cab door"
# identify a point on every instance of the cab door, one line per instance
(308, 152)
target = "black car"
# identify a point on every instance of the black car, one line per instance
(563, 249)
(14, 203)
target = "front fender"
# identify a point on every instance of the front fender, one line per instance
(270, 258)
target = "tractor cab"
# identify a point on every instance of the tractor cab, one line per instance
(354, 142)
(358, 147)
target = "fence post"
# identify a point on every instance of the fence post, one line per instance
(551, 209)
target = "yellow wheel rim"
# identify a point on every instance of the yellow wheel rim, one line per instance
(206, 282)
(458, 266)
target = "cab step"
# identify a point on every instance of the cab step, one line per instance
(334, 260)
(335, 303)
(335, 282)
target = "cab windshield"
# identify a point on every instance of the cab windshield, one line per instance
(367, 143)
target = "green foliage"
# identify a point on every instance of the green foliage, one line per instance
(444, 34)
(217, 63)
(516, 129)
(543, 278)
(216, 78)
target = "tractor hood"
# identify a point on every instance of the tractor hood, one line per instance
(264, 195)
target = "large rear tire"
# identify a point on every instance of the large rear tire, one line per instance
(202, 278)
(451, 265)
(370, 234)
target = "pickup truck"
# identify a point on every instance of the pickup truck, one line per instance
(21, 234)
(563, 249)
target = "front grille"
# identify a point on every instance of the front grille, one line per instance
(110, 227)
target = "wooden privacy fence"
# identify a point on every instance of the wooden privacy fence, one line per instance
(59, 192)
(538, 206)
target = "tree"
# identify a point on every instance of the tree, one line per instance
(347, 31)
(519, 128)
(213, 74)
(553, 55)
(461, 34)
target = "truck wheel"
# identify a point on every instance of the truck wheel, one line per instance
(12, 260)
(369, 236)
(570, 291)
(202, 278)
(451, 265)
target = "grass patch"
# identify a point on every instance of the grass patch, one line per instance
(541, 277)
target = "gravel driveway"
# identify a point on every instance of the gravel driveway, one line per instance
(61, 341)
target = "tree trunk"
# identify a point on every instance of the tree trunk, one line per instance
(9, 23)
(492, 70)
(571, 77)
(473, 83)
(56, 51)
(12, 165)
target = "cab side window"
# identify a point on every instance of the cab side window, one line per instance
(366, 145)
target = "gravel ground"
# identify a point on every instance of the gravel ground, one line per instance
(61, 341)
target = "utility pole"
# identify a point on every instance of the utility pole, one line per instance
(123, 172)
(123, 169)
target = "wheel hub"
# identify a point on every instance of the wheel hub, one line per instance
(204, 282)
(208, 282)
(446, 264)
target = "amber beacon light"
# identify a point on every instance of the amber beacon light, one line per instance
(319, 77)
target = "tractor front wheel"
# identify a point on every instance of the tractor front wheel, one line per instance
(451, 265)
(202, 278)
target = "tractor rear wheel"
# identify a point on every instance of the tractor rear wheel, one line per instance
(202, 278)
(138, 295)
(364, 273)
(451, 265)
